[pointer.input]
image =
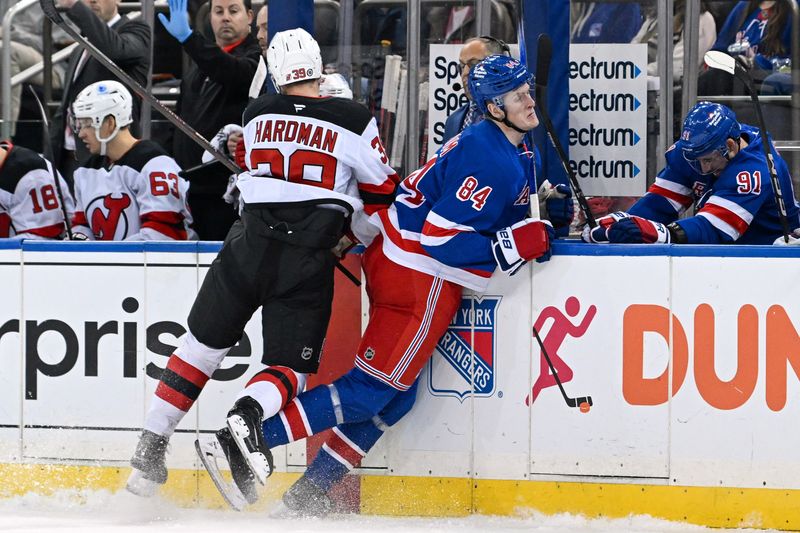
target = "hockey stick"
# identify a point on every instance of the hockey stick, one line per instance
(735, 66)
(545, 50)
(581, 402)
(51, 12)
(47, 148)
(349, 275)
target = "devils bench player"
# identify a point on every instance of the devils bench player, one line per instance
(129, 189)
(30, 207)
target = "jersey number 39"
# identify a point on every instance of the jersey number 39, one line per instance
(297, 170)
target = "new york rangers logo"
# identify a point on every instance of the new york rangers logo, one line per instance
(467, 351)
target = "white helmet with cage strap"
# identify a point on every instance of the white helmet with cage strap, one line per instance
(99, 100)
(335, 85)
(293, 56)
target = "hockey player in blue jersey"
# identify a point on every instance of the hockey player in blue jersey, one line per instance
(453, 222)
(719, 165)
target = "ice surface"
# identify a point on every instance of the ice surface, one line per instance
(87, 512)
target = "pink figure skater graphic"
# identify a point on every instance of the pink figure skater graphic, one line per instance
(562, 326)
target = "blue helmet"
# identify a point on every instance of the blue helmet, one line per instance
(493, 77)
(706, 128)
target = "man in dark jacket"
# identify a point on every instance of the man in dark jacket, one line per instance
(473, 52)
(126, 42)
(213, 94)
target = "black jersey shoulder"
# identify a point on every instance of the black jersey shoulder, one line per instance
(140, 154)
(19, 162)
(342, 112)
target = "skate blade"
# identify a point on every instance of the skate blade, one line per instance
(141, 486)
(210, 453)
(255, 460)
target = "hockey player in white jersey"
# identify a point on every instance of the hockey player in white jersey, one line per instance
(129, 189)
(316, 167)
(30, 203)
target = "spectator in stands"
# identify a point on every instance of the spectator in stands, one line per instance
(473, 51)
(454, 23)
(648, 34)
(26, 51)
(759, 31)
(261, 27)
(214, 92)
(601, 22)
(126, 42)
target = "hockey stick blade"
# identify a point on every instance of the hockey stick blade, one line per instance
(544, 54)
(47, 148)
(51, 12)
(720, 61)
(576, 402)
(571, 402)
(737, 67)
(210, 453)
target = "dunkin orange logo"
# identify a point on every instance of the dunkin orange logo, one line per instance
(782, 351)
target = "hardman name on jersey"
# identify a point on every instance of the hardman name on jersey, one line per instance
(467, 362)
(309, 149)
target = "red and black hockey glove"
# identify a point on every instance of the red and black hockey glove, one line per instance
(517, 244)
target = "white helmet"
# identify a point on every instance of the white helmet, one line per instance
(293, 56)
(335, 85)
(101, 99)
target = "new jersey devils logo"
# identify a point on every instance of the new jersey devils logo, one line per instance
(108, 220)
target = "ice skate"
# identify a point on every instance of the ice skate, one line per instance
(220, 450)
(244, 422)
(149, 465)
(306, 499)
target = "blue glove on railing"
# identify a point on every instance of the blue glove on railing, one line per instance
(178, 23)
(638, 230)
(558, 206)
(600, 233)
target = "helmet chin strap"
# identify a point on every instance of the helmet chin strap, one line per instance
(104, 141)
(507, 122)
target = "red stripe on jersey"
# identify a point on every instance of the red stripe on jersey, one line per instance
(295, 420)
(79, 219)
(415, 247)
(168, 223)
(435, 231)
(187, 371)
(49, 232)
(371, 209)
(5, 225)
(394, 235)
(682, 199)
(727, 216)
(173, 397)
(387, 187)
(344, 450)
